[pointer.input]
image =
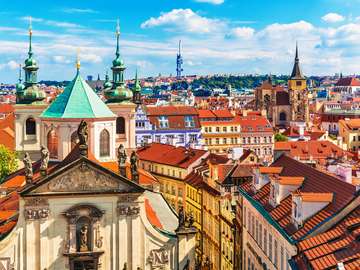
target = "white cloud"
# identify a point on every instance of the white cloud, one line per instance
(51, 22)
(333, 18)
(242, 32)
(185, 20)
(12, 65)
(61, 59)
(214, 2)
(79, 10)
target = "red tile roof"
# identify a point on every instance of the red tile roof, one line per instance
(349, 81)
(315, 182)
(7, 131)
(6, 108)
(317, 150)
(338, 244)
(254, 123)
(170, 155)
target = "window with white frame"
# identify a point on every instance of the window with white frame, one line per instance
(189, 121)
(163, 121)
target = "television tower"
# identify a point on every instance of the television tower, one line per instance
(179, 62)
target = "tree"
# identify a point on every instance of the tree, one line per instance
(8, 162)
(280, 137)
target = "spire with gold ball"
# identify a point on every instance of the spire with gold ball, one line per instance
(118, 93)
(31, 93)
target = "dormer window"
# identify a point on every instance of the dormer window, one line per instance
(189, 121)
(163, 121)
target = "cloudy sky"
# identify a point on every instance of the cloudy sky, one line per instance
(218, 36)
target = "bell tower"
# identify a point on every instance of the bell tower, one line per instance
(298, 93)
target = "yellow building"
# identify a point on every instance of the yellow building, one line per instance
(212, 214)
(220, 130)
(170, 165)
(349, 131)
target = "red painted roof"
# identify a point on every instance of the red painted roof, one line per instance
(6, 108)
(206, 114)
(170, 155)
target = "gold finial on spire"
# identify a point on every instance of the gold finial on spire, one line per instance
(78, 59)
(30, 26)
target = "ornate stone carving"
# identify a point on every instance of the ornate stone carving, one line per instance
(98, 238)
(128, 198)
(127, 210)
(36, 208)
(158, 258)
(134, 167)
(45, 156)
(82, 179)
(5, 263)
(28, 168)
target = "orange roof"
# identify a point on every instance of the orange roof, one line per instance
(170, 155)
(351, 123)
(7, 214)
(318, 150)
(151, 215)
(254, 123)
(270, 170)
(7, 131)
(145, 178)
(315, 196)
(6, 108)
(291, 180)
(206, 114)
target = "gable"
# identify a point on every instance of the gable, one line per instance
(82, 176)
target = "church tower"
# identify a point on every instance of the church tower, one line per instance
(29, 105)
(137, 90)
(120, 100)
(298, 93)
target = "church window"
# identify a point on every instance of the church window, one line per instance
(52, 143)
(120, 125)
(282, 116)
(30, 126)
(104, 143)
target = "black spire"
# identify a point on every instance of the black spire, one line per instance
(296, 72)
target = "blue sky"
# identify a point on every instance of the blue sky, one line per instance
(219, 36)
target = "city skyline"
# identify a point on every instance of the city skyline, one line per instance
(217, 37)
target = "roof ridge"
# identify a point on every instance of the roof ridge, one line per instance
(84, 87)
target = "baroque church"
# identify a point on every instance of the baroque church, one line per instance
(82, 204)
(284, 106)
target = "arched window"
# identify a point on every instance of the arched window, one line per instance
(74, 139)
(120, 125)
(30, 126)
(104, 143)
(52, 143)
(282, 116)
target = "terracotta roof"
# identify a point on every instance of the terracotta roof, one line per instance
(348, 81)
(338, 244)
(6, 108)
(317, 150)
(170, 155)
(315, 182)
(197, 181)
(315, 197)
(290, 180)
(7, 131)
(254, 123)
(270, 170)
(206, 114)
(151, 215)
(351, 123)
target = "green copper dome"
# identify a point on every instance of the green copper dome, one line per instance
(30, 62)
(118, 62)
(107, 83)
(119, 94)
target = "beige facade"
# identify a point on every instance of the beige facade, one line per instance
(53, 213)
